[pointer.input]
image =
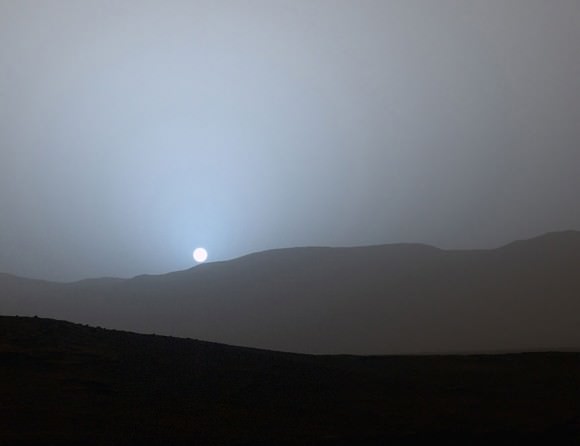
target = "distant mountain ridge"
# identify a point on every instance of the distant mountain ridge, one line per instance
(388, 299)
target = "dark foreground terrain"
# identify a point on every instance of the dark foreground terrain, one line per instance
(62, 383)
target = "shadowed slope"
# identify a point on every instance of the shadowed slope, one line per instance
(62, 383)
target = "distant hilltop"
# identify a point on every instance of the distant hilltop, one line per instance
(389, 299)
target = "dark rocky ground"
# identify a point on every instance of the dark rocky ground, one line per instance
(62, 384)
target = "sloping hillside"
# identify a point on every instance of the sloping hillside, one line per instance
(62, 383)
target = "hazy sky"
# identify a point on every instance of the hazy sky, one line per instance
(132, 131)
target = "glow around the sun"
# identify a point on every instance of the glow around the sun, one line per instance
(200, 255)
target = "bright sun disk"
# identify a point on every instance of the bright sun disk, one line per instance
(200, 255)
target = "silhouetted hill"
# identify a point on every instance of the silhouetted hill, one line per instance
(62, 384)
(388, 299)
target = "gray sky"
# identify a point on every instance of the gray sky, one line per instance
(133, 131)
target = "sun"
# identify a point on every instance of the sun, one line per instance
(200, 255)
